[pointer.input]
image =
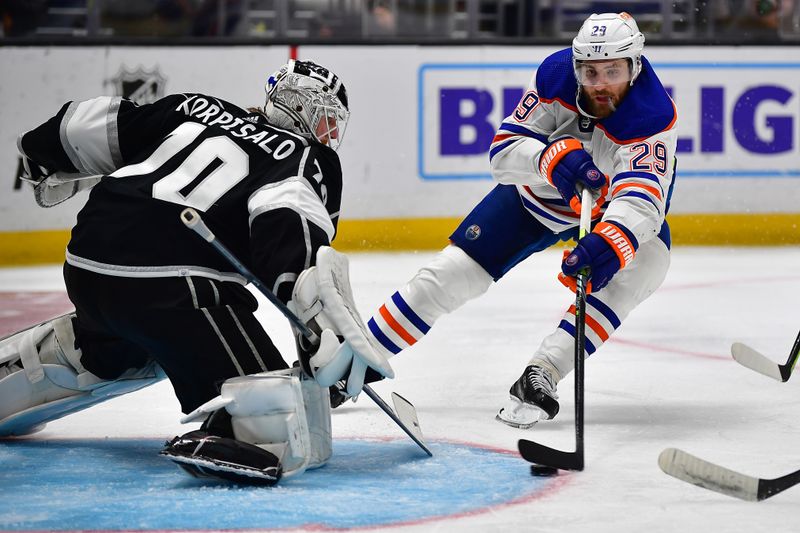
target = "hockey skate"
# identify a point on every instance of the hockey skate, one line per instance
(213, 452)
(532, 398)
(338, 394)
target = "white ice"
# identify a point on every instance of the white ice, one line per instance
(665, 379)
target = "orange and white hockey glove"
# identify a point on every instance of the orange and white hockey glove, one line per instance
(609, 248)
(565, 163)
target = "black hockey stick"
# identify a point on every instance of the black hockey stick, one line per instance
(544, 455)
(746, 356)
(702, 473)
(192, 220)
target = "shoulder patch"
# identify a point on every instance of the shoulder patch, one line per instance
(555, 79)
(646, 110)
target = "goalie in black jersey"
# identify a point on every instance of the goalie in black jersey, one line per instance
(153, 299)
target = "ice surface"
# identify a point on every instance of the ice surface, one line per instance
(665, 379)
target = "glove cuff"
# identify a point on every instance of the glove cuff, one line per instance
(554, 153)
(620, 239)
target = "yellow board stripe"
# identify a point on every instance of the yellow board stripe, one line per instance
(771, 229)
(33, 247)
(378, 235)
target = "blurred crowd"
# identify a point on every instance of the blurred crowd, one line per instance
(390, 19)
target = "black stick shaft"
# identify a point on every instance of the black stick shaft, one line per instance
(580, 327)
(192, 219)
(786, 369)
(580, 346)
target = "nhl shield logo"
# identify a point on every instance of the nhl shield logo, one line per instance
(139, 85)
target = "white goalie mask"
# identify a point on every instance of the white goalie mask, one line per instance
(603, 37)
(308, 99)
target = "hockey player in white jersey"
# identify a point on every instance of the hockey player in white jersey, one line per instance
(595, 115)
(153, 299)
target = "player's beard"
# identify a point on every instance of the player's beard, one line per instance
(588, 106)
(604, 109)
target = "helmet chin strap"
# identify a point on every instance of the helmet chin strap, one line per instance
(578, 105)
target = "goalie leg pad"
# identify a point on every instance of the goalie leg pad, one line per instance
(42, 378)
(281, 412)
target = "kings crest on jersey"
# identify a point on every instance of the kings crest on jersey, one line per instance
(261, 188)
(634, 147)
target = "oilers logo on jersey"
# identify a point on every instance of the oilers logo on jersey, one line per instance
(473, 232)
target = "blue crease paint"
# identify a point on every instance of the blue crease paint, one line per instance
(115, 484)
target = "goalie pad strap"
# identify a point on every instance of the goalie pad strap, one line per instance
(29, 353)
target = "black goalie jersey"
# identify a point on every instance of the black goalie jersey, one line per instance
(271, 196)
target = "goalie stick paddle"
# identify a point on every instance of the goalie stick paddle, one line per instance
(686, 467)
(405, 420)
(746, 356)
(540, 454)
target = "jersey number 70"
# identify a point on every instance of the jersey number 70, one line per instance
(217, 163)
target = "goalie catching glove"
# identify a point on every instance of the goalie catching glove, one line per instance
(51, 188)
(323, 300)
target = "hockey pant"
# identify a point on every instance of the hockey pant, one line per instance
(199, 330)
(497, 235)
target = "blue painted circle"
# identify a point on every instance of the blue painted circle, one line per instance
(124, 484)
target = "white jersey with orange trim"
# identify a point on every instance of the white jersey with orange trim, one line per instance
(634, 146)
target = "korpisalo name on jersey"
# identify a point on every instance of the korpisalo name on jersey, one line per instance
(271, 141)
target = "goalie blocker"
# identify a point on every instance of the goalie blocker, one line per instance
(323, 300)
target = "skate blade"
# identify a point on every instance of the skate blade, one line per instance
(520, 415)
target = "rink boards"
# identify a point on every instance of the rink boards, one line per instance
(415, 158)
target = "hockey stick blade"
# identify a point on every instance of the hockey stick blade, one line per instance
(702, 473)
(406, 412)
(750, 358)
(536, 453)
(194, 222)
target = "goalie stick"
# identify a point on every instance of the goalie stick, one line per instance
(540, 454)
(746, 356)
(410, 425)
(687, 467)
